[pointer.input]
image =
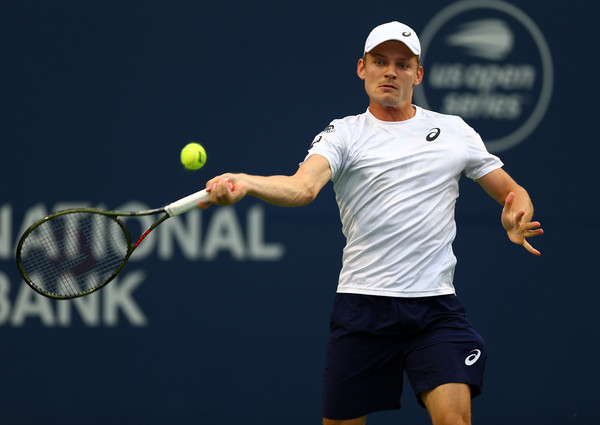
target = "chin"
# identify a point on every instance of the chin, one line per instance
(388, 104)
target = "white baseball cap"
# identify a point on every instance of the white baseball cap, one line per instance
(393, 31)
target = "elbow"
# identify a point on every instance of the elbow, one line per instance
(307, 196)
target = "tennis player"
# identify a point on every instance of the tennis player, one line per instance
(395, 170)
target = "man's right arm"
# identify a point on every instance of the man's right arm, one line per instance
(296, 190)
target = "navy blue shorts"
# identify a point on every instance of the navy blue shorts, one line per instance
(374, 340)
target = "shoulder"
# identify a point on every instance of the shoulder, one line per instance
(451, 123)
(442, 118)
(347, 123)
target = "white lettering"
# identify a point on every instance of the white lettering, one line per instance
(30, 304)
(4, 299)
(224, 233)
(136, 226)
(117, 296)
(483, 78)
(88, 308)
(5, 231)
(100, 308)
(188, 236)
(493, 77)
(99, 237)
(484, 105)
(32, 215)
(256, 230)
(446, 76)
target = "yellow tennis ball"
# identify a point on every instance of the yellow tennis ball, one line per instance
(193, 156)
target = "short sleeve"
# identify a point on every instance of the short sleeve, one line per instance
(331, 144)
(480, 161)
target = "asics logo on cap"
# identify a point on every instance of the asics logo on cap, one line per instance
(393, 31)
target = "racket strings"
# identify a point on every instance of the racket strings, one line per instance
(74, 253)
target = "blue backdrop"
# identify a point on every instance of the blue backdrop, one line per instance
(222, 316)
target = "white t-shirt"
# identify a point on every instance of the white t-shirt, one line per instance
(396, 184)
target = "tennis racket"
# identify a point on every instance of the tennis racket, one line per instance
(74, 252)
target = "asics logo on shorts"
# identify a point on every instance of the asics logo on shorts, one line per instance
(473, 357)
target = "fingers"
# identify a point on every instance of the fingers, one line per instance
(531, 229)
(531, 249)
(510, 219)
(522, 240)
(204, 205)
(519, 233)
(509, 200)
(532, 225)
(518, 217)
(532, 233)
(222, 190)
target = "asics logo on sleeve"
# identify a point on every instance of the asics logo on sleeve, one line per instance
(316, 140)
(473, 357)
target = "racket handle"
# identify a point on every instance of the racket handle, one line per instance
(187, 203)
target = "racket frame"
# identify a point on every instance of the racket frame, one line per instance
(113, 215)
(175, 208)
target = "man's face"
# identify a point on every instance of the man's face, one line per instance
(390, 72)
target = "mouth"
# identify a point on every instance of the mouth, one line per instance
(388, 86)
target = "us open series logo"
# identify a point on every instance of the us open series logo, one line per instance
(491, 65)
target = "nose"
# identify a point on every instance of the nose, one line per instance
(391, 74)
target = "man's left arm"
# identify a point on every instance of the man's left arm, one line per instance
(518, 208)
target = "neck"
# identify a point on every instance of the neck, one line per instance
(388, 113)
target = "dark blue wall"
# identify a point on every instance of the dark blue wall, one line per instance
(226, 321)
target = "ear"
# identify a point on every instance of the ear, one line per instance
(419, 77)
(360, 69)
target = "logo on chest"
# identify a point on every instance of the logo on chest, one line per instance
(433, 134)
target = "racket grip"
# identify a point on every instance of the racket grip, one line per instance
(187, 203)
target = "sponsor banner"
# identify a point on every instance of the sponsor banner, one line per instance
(194, 236)
(488, 62)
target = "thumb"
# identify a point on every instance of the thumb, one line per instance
(509, 199)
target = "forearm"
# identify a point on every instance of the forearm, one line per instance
(284, 191)
(296, 190)
(498, 184)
